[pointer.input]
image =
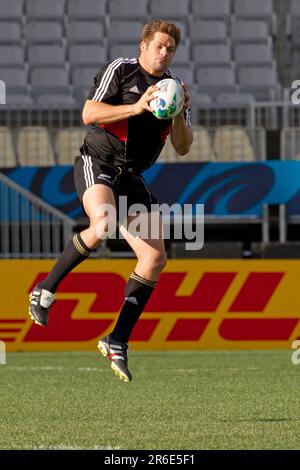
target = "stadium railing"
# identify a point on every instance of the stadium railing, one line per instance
(30, 228)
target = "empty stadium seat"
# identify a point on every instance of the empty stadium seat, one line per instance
(34, 146)
(208, 31)
(46, 55)
(123, 50)
(253, 54)
(256, 9)
(7, 151)
(128, 9)
(169, 9)
(49, 80)
(10, 32)
(85, 32)
(211, 9)
(250, 32)
(19, 100)
(211, 54)
(215, 80)
(87, 55)
(83, 80)
(11, 10)
(124, 31)
(60, 101)
(67, 144)
(231, 143)
(49, 32)
(11, 56)
(260, 82)
(45, 10)
(15, 79)
(87, 9)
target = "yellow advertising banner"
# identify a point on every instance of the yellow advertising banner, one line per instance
(197, 304)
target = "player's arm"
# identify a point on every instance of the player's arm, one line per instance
(181, 131)
(104, 113)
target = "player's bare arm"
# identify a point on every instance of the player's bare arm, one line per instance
(181, 133)
(97, 111)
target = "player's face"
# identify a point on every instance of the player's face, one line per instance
(158, 53)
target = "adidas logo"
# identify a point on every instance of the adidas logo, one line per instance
(132, 300)
(135, 89)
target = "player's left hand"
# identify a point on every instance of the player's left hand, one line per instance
(187, 100)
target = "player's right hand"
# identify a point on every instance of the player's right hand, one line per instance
(142, 104)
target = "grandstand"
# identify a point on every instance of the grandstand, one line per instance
(238, 59)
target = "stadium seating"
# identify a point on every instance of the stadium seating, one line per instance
(67, 144)
(87, 55)
(35, 147)
(46, 55)
(45, 10)
(44, 32)
(253, 31)
(91, 32)
(53, 80)
(128, 9)
(86, 10)
(211, 9)
(11, 10)
(10, 32)
(171, 9)
(231, 143)
(7, 151)
(12, 56)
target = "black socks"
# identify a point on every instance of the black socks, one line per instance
(75, 252)
(137, 293)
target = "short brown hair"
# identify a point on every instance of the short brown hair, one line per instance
(160, 26)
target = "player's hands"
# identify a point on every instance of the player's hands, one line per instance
(187, 100)
(142, 104)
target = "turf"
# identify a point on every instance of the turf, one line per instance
(177, 400)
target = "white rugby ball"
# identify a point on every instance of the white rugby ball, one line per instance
(169, 99)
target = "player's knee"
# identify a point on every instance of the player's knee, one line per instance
(157, 261)
(104, 226)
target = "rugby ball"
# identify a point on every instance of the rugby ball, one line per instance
(169, 99)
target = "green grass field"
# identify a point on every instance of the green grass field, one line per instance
(177, 400)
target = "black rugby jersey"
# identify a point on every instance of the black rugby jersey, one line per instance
(130, 143)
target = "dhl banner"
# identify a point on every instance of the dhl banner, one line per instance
(198, 304)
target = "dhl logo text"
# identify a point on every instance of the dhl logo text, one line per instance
(210, 309)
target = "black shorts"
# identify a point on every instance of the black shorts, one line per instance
(90, 170)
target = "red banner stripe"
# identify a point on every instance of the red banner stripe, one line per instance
(8, 320)
(206, 296)
(144, 329)
(9, 330)
(256, 292)
(260, 329)
(7, 340)
(187, 329)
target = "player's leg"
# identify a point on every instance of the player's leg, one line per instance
(151, 257)
(77, 250)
